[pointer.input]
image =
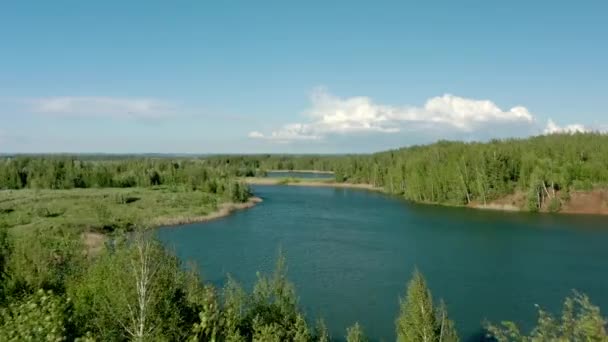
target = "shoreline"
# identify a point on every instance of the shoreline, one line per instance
(499, 205)
(223, 210)
(310, 183)
(94, 241)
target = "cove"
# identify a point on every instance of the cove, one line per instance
(351, 252)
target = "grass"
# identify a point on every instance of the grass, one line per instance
(101, 210)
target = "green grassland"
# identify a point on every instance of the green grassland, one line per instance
(102, 210)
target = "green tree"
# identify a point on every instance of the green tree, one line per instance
(136, 291)
(44, 259)
(42, 316)
(580, 321)
(418, 319)
(321, 331)
(355, 334)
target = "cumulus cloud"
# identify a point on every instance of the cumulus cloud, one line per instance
(553, 128)
(256, 134)
(290, 132)
(330, 114)
(93, 106)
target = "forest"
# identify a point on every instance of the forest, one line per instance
(543, 170)
(71, 172)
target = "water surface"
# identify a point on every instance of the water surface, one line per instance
(351, 252)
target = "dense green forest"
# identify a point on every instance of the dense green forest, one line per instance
(69, 172)
(543, 169)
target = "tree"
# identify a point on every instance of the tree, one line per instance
(321, 332)
(42, 316)
(580, 321)
(135, 291)
(43, 259)
(418, 320)
(274, 303)
(355, 334)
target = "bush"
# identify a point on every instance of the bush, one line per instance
(42, 316)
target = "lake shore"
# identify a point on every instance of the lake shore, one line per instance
(308, 183)
(223, 210)
(581, 203)
(94, 241)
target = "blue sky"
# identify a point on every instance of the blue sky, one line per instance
(300, 77)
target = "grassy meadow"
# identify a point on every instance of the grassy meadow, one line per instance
(102, 210)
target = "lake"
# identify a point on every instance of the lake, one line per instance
(351, 252)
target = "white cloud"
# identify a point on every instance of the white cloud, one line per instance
(256, 134)
(287, 133)
(553, 128)
(93, 106)
(333, 115)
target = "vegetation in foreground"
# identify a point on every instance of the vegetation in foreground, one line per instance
(135, 290)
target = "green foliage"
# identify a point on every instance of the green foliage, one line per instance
(321, 331)
(580, 321)
(458, 173)
(136, 291)
(418, 319)
(68, 172)
(42, 316)
(105, 210)
(269, 313)
(355, 334)
(5, 252)
(43, 259)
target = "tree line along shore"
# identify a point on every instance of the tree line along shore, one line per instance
(54, 288)
(565, 173)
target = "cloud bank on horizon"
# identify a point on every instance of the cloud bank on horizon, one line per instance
(330, 115)
(330, 124)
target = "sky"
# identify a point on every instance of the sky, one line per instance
(295, 76)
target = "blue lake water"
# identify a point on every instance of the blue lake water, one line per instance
(351, 252)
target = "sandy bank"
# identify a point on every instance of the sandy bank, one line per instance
(300, 182)
(223, 210)
(495, 206)
(587, 202)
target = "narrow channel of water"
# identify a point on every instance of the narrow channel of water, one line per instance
(351, 252)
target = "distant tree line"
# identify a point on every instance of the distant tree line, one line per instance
(64, 172)
(543, 169)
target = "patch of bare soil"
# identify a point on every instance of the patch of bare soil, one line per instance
(512, 202)
(587, 202)
(93, 242)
